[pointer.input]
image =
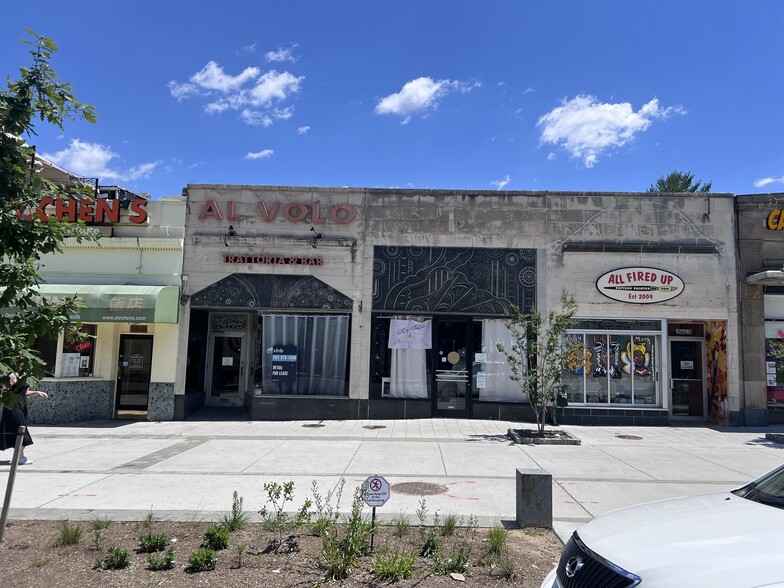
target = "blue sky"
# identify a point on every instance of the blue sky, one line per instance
(523, 95)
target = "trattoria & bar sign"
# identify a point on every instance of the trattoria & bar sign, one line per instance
(640, 285)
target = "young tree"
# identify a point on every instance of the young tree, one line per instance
(24, 235)
(678, 181)
(536, 355)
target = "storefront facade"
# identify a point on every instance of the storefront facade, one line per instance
(761, 307)
(303, 303)
(129, 285)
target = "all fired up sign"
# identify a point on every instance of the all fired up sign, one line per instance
(640, 285)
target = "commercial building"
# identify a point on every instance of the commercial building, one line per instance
(129, 285)
(308, 302)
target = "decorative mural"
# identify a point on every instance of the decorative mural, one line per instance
(271, 291)
(716, 345)
(453, 279)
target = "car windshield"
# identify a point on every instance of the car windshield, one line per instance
(769, 489)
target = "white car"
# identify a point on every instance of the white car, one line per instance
(725, 540)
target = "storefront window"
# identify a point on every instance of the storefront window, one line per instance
(610, 368)
(775, 374)
(78, 356)
(303, 354)
(47, 349)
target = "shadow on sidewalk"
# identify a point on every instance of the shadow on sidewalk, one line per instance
(218, 413)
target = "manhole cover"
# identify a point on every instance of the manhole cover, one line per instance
(313, 425)
(374, 427)
(629, 437)
(418, 488)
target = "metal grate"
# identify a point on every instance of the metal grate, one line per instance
(374, 427)
(579, 567)
(418, 488)
(629, 437)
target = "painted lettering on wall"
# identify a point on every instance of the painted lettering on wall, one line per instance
(273, 260)
(100, 210)
(293, 212)
(775, 220)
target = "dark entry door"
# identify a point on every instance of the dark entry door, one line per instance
(451, 352)
(134, 366)
(688, 382)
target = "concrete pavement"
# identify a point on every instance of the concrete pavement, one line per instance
(188, 470)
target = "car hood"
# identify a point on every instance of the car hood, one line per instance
(712, 540)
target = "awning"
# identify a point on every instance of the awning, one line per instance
(766, 278)
(119, 304)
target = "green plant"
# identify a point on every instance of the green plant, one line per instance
(341, 549)
(276, 519)
(201, 560)
(164, 561)
(456, 562)
(392, 566)
(216, 538)
(421, 511)
(148, 521)
(503, 562)
(67, 534)
(100, 523)
(240, 551)
(39, 562)
(325, 512)
(238, 519)
(536, 355)
(151, 542)
(449, 525)
(430, 543)
(400, 525)
(496, 538)
(117, 558)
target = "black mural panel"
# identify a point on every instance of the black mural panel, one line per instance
(453, 280)
(271, 291)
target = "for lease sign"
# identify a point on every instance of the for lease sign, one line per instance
(640, 285)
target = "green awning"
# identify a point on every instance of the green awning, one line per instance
(119, 304)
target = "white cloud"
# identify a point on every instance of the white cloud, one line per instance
(255, 118)
(303, 130)
(263, 154)
(212, 77)
(501, 184)
(92, 160)
(281, 54)
(551, 156)
(587, 128)
(419, 95)
(762, 182)
(256, 96)
(528, 90)
(250, 48)
(274, 86)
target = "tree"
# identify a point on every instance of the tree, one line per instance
(678, 181)
(536, 355)
(24, 235)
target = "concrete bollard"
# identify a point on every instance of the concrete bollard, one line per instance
(534, 498)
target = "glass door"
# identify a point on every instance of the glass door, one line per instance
(451, 351)
(226, 369)
(134, 366)
(688, 381)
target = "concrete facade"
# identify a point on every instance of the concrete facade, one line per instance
(234, 234)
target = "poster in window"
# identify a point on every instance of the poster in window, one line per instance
(284, 363)
(70, 367)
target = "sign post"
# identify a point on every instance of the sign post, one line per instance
(375, 492)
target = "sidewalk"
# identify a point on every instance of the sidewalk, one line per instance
(188, 470)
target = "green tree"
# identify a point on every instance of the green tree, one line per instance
(678, 181)
(536, 355)
(37, 96)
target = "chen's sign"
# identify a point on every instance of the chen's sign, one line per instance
(640, 285)
(100, 210)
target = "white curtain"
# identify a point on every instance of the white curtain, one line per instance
(499, 385)
(408, 340)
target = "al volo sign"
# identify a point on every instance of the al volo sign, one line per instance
(640, 285)
(293, 212)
